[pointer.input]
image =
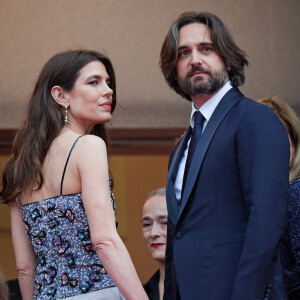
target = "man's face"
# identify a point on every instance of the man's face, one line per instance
(200, 69)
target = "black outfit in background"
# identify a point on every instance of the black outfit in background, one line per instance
(14, 289)
(151, 287)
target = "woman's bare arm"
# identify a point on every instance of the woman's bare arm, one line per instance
(96, 198)
(25, 257)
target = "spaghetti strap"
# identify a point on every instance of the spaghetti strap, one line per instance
(17, 198)
(63, 175)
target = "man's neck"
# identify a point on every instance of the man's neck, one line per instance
(199, 100)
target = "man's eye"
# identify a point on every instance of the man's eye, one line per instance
(183, 53)
(146, 224)
(206, 49)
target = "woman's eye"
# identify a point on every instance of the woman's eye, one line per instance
(164, 222)
(93, 82)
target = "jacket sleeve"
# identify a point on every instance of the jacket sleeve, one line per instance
(169, 248)
(262, 149)
(168, 263)
(174, 151)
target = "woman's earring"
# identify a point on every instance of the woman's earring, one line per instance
(66, 114)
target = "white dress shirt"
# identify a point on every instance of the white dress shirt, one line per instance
(206, 110)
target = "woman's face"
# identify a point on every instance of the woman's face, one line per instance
(154, 222)
(91, 97)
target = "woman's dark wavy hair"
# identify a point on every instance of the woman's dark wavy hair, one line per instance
(45, 120)
(234, 58)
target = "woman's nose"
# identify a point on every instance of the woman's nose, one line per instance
(155, 230)
(108, 90)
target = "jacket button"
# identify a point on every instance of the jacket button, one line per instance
(178, 235)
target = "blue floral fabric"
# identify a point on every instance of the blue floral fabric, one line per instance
(67, 264)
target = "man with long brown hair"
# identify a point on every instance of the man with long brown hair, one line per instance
(228, 176)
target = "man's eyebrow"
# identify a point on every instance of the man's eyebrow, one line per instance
(205, 44)
(182, 47)
(199, 44)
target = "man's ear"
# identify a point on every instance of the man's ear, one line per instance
(227, 66)
(60, 96)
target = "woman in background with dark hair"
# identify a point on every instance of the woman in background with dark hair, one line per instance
(290, 245)
(57, 185)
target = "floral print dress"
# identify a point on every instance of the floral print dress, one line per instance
(67, 264)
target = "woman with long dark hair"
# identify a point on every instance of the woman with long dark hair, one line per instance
(57, 185)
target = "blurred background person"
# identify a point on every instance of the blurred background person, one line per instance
(57, 185)
(3, 287)
(290, 245)
(154, 223)
(14, 289)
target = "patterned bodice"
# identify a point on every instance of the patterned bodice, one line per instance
(67, 263)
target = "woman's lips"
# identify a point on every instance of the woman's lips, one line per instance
(106, 105)
(158, 245)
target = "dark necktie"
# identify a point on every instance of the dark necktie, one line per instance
(196, 135)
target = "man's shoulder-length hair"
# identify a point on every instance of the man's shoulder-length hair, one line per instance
(234, 58)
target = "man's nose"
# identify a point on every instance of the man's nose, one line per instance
(196, 58)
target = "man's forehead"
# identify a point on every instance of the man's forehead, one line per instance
(194, 33)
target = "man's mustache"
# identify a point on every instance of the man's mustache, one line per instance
(197, 69)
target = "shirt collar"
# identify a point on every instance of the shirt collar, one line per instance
(209, 106)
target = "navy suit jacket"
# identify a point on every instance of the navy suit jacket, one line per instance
(222, 240)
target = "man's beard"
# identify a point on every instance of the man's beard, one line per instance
(200, 85)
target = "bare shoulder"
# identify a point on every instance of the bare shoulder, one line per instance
(89, 144)
(92, 140)
(91, 150)
(14, 206)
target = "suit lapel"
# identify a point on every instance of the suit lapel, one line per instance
(228, 101)
(172, 202)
